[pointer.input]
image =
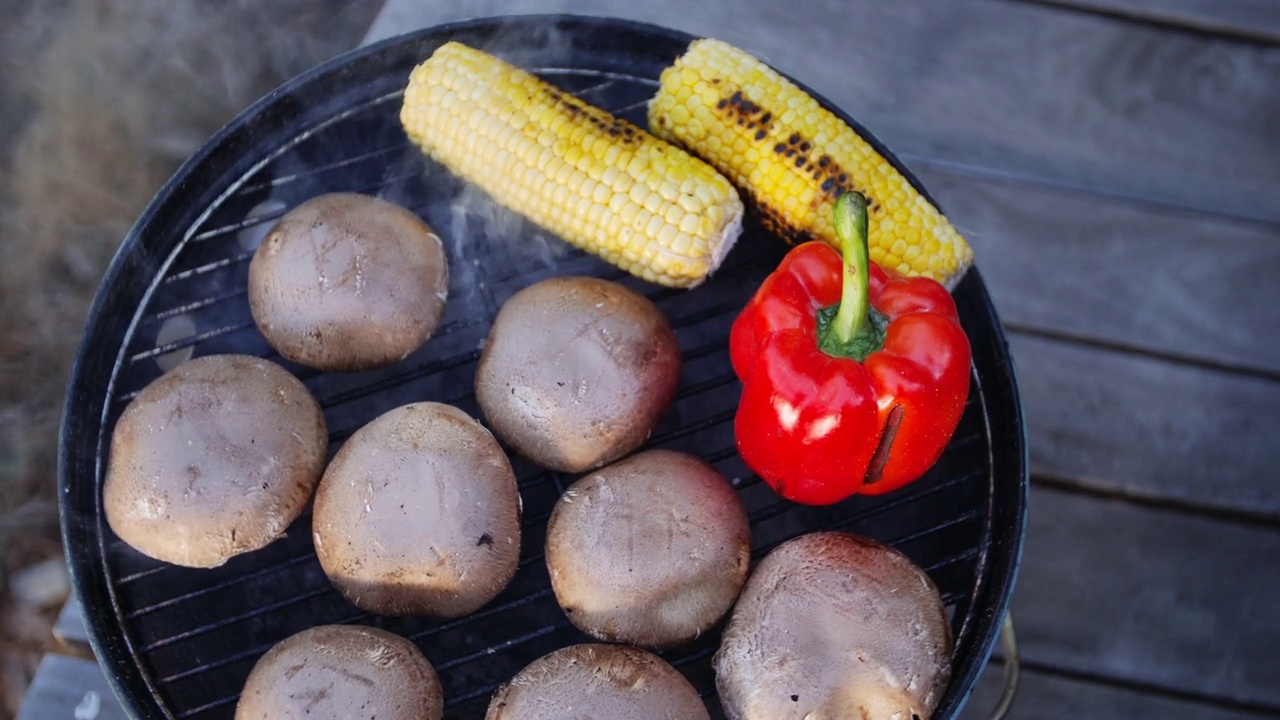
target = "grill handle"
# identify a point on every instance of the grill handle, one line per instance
(1012, 667)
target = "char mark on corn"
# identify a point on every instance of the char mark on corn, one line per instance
(596, 180)
(792, 158)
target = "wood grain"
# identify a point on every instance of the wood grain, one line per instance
(1257, 20)
(1029, 90)
(1174, 282)
(1151, 597)
(1123, 422)
(70, 630)
(69, 688)
(1044, 696)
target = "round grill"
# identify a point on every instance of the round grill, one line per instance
(178, 643)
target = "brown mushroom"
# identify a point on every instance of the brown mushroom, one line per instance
(617, 682)
(833, 625)
(577, 372)
(342, 671)
(419, 514)
(348, 282)
(651, 550)
(213, 459)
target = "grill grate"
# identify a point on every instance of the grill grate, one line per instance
(181, 642)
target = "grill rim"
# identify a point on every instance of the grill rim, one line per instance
(235, 150)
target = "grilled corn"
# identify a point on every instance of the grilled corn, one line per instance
(792, 158)
(597, 181)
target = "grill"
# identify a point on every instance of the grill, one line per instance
(179, 643)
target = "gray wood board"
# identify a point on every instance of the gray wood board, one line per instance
(1132, 424)
(1024, 89)
(67, 688)
(1151, 597)
(1045, 696)
(69, 628)
(1255, 19)
(1175, 282)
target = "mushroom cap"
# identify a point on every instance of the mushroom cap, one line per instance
(651, 550)
(213, 459)
(419, 514)
(577, 372)
(342, 671)
(617, 682)
(348, 282)
(833, 625)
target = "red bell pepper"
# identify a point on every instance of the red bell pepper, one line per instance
(841, 395)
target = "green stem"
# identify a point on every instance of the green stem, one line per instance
(851, 229)
(852, 328)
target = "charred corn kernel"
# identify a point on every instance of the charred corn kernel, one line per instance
(792, 158)
(597, 181)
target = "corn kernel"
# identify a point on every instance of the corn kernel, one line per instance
(779, 163)
(500, 128)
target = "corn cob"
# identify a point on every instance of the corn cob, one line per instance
(792, 158)
(597, 181)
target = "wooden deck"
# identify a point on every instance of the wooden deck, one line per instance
(1116, 165)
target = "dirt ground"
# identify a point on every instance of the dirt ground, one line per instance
(100, 101)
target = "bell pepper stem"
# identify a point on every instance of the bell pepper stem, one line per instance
(851, 319)
(852, 328)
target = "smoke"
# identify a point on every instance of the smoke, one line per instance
(487, 242)
(103, 99)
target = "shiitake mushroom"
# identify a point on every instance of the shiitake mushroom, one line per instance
(213, 459)
(577, 372)
(618, 682)
(342, 671)
(419, 514)
(651, 550)
(834, 625)
(347, 282)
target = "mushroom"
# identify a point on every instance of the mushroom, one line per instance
(617, 682)
(348, 282)
(577, 372)
(419, 514)
(651, 550)
(342, 671)
(833, 625)
(213, 459)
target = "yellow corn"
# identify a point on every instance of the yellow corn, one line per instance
(793, 158)
(597, 181)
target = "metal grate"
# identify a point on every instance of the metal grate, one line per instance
(191, 636)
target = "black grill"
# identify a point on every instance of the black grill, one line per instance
(178, 643)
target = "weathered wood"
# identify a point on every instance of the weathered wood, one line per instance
(1044, 696)
(1029, 90)
(70, 688)
(69, 628)
(1151, 597)
(1132, 424)
(1175, 282)
(1254, 19)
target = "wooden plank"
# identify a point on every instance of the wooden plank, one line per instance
(69, 628)
(1045, 696)
(1257, 20)
(1132, 424)
(1179, 283)
(70, 689)
(1151, 598)
(1029, 90)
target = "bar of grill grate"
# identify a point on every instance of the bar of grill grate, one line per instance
(678, 660)
(759, 515)
(766, 512)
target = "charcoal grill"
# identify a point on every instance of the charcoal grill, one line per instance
(178, 643)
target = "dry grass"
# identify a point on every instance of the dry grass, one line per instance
(100, 100)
